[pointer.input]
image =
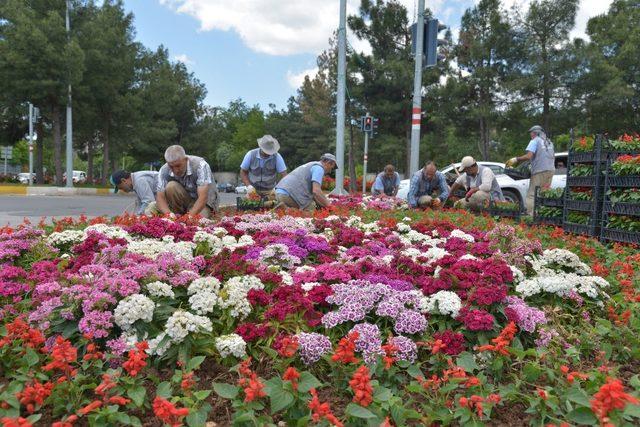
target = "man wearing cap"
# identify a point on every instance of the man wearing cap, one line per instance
(185, 185)
(481, 185)
(541, 153)
(386, 182)
(260, 168)
(302, 188)
(142, 183)
(428, 188)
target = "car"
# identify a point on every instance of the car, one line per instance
(24, 177)
(79, 177)
(226, 188)
(241, 189)
(513, 182)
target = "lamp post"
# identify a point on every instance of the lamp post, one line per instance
(69, 162)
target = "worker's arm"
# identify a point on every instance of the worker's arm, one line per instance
(459, 183)
(524, 157)
(486, 179)
(319, 196)
(281, 167)
(201, 201)
(161, 203)
(244, 176)
(444, 188)
(144, 192)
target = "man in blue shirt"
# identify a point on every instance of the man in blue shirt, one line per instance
(261, 166)
(428, 188)
(386, 182)
(541, 153)
(302, 188)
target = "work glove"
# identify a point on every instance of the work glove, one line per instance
(250, 189)
(511, 162)
(469, 194)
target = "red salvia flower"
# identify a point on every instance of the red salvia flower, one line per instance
(15, 422)
(168, 413)
(20, 330)
(389, 358)
(34, 395)
(611, 396)
(502, 341)
(90, 407)
(288, 346)
(187, 382)
(137, 359)
(321, 410)
(345, 353)
(250, 382)
(292, 375)
(63, 355)
(360, 383)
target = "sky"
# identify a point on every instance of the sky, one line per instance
(260, 50)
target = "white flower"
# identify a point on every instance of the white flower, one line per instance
(155, 346)
(151, 248)
(403, 228)
(203, 302)
(468, 257)
(182, 323)
(160, 289)
(309, 285)
(436, 272)
(204, 284)
(110, 231)
(443, 302)
(231, 344)
(133, 308)
(406, 219)
(286, 278)
(518, 276)
(462, 235)
(435, 254)
(66, 237)
(233, 294)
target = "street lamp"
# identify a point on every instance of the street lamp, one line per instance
(69, 117)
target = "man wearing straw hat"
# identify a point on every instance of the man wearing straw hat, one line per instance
(261, 166)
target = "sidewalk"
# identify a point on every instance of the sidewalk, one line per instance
(25, 190)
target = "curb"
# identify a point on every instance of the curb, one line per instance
(53, 191)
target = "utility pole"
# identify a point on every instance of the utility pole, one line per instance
(69, 118)
(342, 72)
(366, 157)
(416, 112)
(31, 143)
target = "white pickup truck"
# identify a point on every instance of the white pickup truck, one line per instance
(514, 190)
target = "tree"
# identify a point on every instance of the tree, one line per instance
(37, 62)
(543, 37)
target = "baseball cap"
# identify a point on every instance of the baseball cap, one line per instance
(466, 162)
(331, 157)
(117, 177)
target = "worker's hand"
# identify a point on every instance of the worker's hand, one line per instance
(436, 202)
(511, 162)
(172, 215)
(469, 193)
(250, 189)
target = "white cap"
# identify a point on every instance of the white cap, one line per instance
(466, 162)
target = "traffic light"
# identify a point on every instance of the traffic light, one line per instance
(374, 127)
(431, 42)
(367, 123)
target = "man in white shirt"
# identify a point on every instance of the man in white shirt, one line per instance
(481, 185)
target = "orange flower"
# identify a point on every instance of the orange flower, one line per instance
(34, 395)
(437, 347)
(63, 354)
(611, 396)
(119, 400)
(502, 341)
(250, 382)
(292, 375)
(360, 383)
(345, 352)
(90, 407)
(389, 358)
(168, 413)
(187, 382)
(288, 346)
(137, 359)
(543, 394)
(321, 410)
(472, 382)
(15, 422)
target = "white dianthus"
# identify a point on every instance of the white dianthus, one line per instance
(309, 285)
(110, 231)
(133, 308)
(182, 323)
(66, 237)
(160, 289)
(233, 294)
(231, 344)
(203, 302)
(204, 284)
(462, 235)
(157, 347)
(444, 302)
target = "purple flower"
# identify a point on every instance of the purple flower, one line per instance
(526, 317)
(410, 322)
(97, 323)
(406, 349)
(369, 341)
(313, 346)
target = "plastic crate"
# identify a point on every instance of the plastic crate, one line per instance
(622, 208)
(582, 181)
(579, 205)
(549, 202)
(624, 236)
(504, 213)
(548, 220)
(584, 229)
(586, 157)
(243, 204)
(623, 181)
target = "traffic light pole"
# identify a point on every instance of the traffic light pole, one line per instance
(69, 151)
(364, 165)
(30, 144)
(416, 111)
(340, 108)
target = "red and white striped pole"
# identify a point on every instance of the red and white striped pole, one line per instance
(416, 112)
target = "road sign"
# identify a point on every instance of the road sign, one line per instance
(6, 153)
(31, 148)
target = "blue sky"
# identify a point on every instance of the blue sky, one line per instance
(260, 50)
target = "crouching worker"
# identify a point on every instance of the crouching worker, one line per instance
(185, 185)
(481, 185)
(386, 182)
(302, 188)
(428, 188)
(142, 183)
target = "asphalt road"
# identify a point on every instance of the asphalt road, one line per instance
(13, 209)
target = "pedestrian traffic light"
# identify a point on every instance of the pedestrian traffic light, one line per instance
(367, 123)
(432, 42)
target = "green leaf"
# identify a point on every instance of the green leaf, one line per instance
(137, 394)
(414, 371)
(226, 391)
(202, 394)
(582, 416)
(195, 362)
(467, 362)
(164, 390)
(280, 399)
(631, 411)
(382, 394)
(357, 411)
(531, 372)
(31, 357)
(577, 395)
(198, 418)
(307, 381)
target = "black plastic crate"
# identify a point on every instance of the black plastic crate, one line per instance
(583, 229)
(622, 208)
(583, 157)
(549, 202)
(615, 235)
(243, 204)
(548, 220)
(579, 205)
(582, 181)
(623, 181)
(504, 213)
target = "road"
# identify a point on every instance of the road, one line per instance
(13, 209)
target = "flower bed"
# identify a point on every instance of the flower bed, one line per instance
(356, 317)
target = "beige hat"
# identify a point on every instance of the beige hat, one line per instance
(269, 145)
(467, 161)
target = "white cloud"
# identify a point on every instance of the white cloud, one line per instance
(184, 59)
(295, 80)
